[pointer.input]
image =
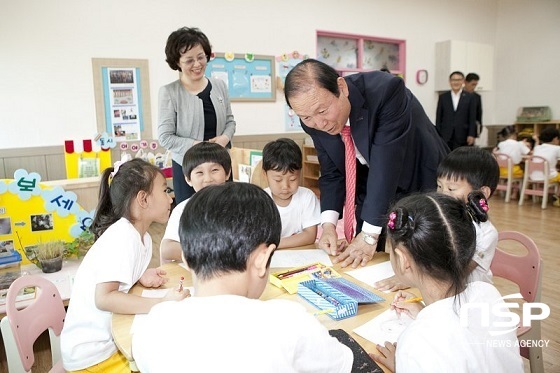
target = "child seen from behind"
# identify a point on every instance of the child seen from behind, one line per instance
(299, 208)
(206, 163)
(514, 149)
(132, 196)
(465, 170)
(432, 242)
(228, 234)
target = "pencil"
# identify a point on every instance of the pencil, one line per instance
(181, 283)
(413, 300)
(322, 312)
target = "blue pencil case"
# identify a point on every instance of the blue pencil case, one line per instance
(328, 299)
(354, 291)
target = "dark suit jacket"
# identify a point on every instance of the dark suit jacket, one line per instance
(395, 136)
(478, 101)
(456, 125)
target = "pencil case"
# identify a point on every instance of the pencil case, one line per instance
(325, 297)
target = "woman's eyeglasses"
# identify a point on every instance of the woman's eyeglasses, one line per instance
(189, 62)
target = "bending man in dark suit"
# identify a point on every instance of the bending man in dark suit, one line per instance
(398, 149)
(456, 114)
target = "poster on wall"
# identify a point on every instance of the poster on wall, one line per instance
(32, 213)
(286, 62)
(248, 77)
(123, 103)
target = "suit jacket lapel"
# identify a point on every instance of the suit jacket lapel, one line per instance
(359, 120)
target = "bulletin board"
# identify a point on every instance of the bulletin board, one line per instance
(33, 213)
(122, 98)
(248, 77)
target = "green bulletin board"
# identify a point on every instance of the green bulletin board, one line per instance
(248, 77)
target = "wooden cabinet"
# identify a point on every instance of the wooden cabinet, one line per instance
(467, 57)
(311, 170)
(525, 129)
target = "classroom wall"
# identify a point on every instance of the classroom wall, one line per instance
(46, 87)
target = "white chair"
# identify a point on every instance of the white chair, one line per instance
(526, 272)
(21, 328)
(534, 187)
(507, 183)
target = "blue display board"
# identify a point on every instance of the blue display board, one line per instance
(248, 77)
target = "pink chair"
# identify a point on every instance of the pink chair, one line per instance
(538, 187)
(526, 272)
(21, 328)
(509, 182)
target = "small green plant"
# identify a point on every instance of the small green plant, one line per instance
(80, 245)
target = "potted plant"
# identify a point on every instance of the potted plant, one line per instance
(80, 246)
(47, 256)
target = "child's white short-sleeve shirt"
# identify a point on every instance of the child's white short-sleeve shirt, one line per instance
(486, 243)
(515, 149)
(119, 255)
(230, 333)
(303, 211)
(437, 341)
(172, 228)
(551, 153)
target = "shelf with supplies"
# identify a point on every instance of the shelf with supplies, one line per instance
(311, 170)
(527, 129)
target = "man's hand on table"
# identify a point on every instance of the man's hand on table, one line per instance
(357, 253)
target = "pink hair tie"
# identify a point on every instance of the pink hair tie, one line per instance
(483, 204)
(391, 223)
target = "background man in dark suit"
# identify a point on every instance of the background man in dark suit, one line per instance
(398, 149)
(456, 114)
(471, 81)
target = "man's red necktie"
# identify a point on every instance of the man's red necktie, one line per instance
(350, 203)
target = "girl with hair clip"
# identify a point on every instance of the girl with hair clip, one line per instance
(432, 242)
(132, 196)
(515, 149)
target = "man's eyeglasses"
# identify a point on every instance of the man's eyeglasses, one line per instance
(201, 59)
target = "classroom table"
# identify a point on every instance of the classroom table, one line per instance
(63, 280)
(121, 324)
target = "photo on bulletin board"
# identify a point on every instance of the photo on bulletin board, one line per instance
(248, 77)
(122, 98)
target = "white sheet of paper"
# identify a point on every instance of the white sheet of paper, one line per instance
(385, 327)
(371, 274)
(299, 258)
(150, 293)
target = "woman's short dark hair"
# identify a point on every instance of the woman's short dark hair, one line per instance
(183, 40)
(308, 74)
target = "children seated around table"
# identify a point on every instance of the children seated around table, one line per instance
(515, 149)
(432, 242)
(206, 163)
(228, 234)
(298, 206)
(132, 196)
(463, 171)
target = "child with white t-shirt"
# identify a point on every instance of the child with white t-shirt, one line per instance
(549, 149)
(206, 163)
(228, 234)
(132, 196)
(432, 242)
(514, 149)
(298, 206)
(470, 174)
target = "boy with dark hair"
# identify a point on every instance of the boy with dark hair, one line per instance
(228, 235)
(298, 206)
(204, 164)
